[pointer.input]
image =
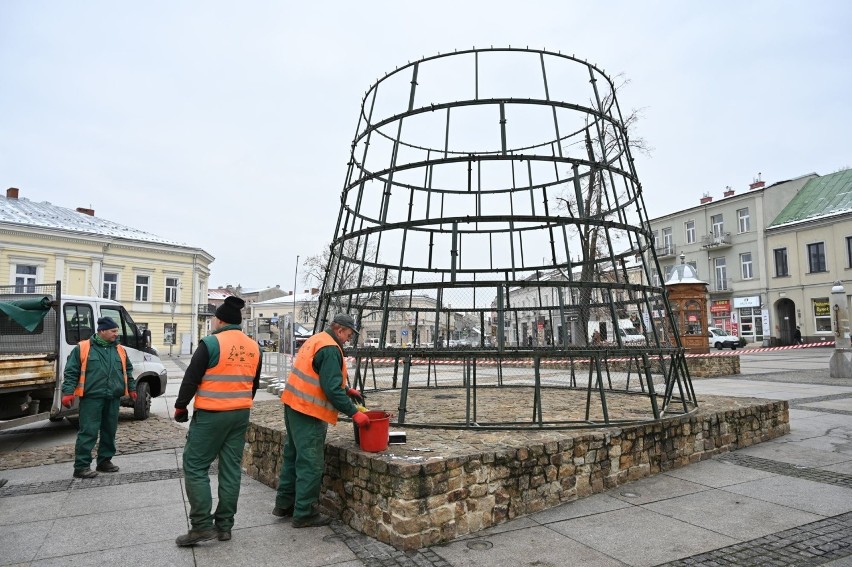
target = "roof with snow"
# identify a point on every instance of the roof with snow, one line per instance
(823, 197)
(26, 213)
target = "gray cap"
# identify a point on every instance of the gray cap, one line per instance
(345, 320)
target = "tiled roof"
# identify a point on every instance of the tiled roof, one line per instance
(28, 213)
(822, 197)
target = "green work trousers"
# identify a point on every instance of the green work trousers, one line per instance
(214, 434)
(303, 463)
(98, 416)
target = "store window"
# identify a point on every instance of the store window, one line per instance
(169, 333)
(781, 263)
(720, 313)
(751, 323)
(822, 315)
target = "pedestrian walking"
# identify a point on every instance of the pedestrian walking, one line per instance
(223, 376)
(99, 373)
(797, 335)
(317, 389)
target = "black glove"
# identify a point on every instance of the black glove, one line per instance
(181, 415)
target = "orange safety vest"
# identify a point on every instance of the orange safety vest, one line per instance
(85, 347)
(303, 392)
(227, 386)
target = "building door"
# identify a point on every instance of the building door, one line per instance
(785, 311)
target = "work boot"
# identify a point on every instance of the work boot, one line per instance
(314, 520)
(194, 536)
(282, 512)
(224, 535)
(107, 466)
(84, 473)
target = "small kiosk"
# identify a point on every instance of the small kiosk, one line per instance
(688, 300)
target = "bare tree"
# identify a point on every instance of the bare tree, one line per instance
(347, 271)
(603, 143)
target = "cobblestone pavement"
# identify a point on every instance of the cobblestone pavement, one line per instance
(153, 434)
(824, 541)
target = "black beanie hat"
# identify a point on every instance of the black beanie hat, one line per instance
(229, 312)
(106, 323)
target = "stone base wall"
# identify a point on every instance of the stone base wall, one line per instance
(416, 501)
(710, 366)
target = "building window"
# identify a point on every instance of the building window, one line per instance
(169, 333)
(743, 220)
(690, 231)
(721, 274)
(667, 241)
(718, 225)
(171, 290)
(25, 278)
(781, 263)
(822, 315)
(746, 266)
(142, 285)
(110, 285)
(849, 251)
(816, 257)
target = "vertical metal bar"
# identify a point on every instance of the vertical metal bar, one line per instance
(403, 393)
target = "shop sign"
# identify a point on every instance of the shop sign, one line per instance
(822, 308)
(753, 301)
(720, 306)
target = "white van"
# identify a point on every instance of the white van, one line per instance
(720, 339)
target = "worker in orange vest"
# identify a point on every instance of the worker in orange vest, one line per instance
(223, 376)
(317, 389)
(99, 373)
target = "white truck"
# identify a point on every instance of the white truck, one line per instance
(38, 329)
(629, 335)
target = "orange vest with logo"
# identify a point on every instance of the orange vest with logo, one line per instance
(227, 386)
(85, 348)
(303, 392)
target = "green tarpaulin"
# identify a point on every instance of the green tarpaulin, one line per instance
(27, 313)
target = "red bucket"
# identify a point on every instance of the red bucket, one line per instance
(374, 438)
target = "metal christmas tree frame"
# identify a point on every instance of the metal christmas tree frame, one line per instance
(492, 234)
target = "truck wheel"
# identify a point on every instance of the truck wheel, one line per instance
(142, 407)
(718, 346)
(733, 347)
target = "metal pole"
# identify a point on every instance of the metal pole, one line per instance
(293, 325)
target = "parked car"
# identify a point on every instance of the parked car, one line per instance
(720, 338)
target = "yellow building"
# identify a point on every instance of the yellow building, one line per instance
(162, 284)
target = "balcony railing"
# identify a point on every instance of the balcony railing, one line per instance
(721, 285)
(716, 241)
(665, 250)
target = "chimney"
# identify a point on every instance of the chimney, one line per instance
(728, 191)
(756, 185)
(12, 193)
(706, 199)
(85, 211)
(314, 290)
(306, 291)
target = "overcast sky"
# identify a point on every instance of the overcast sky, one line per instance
(227, 126)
